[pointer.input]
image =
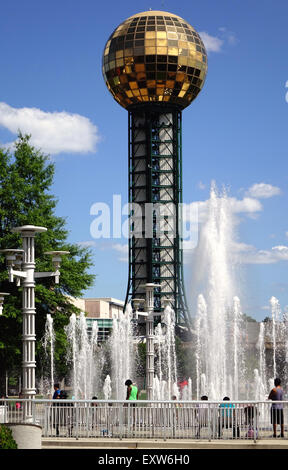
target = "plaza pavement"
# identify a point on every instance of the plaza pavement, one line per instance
(98, 443)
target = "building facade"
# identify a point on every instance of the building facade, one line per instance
(102, 310)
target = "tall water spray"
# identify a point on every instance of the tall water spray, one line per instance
(82, 354)
(122, 352)
(218, 339)
(165, 381)
(262, 359)
(201, 352)
(272, 359)
(169, 350)
(107, 389)
(49, 344)
(275, 312)
(238, 348)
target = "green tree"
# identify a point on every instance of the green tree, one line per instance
(26, 177)
(6, 438)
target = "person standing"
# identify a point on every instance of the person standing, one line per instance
(57, 391)
(202, 415)
(132, 395)
(55, 409)
(228, 418)
(132, 390)
(277, 415)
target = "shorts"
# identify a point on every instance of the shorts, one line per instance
(277, 416)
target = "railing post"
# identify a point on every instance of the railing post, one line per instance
(77, 421)
(209, 422)
(174, 419)
(45, 419)
(120, 421)
(165, 419)
(255, 422)
(128, 418)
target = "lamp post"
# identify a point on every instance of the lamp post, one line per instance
(149, 314)
(26, 259)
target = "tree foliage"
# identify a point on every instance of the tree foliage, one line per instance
(6, 438)
(26, 176)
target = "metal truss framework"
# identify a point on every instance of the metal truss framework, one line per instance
(155, 197)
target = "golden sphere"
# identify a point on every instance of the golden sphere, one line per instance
(154, 56)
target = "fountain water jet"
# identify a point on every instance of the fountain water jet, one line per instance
(82, 353)
(165, 381)
(218, 311)
(48, 343)
(107, 389)
(262, 358)
(275, 311)
(121, 346)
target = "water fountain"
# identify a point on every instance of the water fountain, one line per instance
(221, 353)
(82, 354)
(122, 352)
(187, 391)
(275, 312)
(262, 359)
(107, 389)
(165, 381)
(218, 338)
(48, 344)
(88, 358)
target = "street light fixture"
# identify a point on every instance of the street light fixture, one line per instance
(25, 258)
(13, 258)
(56, 261)
(136, 305)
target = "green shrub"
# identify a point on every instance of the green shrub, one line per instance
(6, 438)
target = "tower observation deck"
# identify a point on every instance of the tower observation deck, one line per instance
(154, 65)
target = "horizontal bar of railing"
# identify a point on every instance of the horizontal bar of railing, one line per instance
(192, 402)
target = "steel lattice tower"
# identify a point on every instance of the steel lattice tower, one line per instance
(155, 64)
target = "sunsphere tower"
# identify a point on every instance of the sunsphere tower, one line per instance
(154, 65)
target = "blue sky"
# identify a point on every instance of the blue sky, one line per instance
(235, 133)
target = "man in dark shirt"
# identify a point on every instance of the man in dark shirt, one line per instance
(57, 391)
(277, 415)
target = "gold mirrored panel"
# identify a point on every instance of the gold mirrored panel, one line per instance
(154, 56)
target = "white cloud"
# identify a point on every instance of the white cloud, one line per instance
(52, 132)
(248, 254)
(263, 191)
(241, 247)
(266, 307)
(281, 251)
(198, 211)
(123, 250)
(201, 185)
(211, 43)
(246, 205)
(87, 244)
(228, 36)
(216, 43)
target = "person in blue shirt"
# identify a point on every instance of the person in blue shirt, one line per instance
(57, 391)
(55, 411)
(227, 418)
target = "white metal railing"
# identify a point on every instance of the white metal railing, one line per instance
(157, 419)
